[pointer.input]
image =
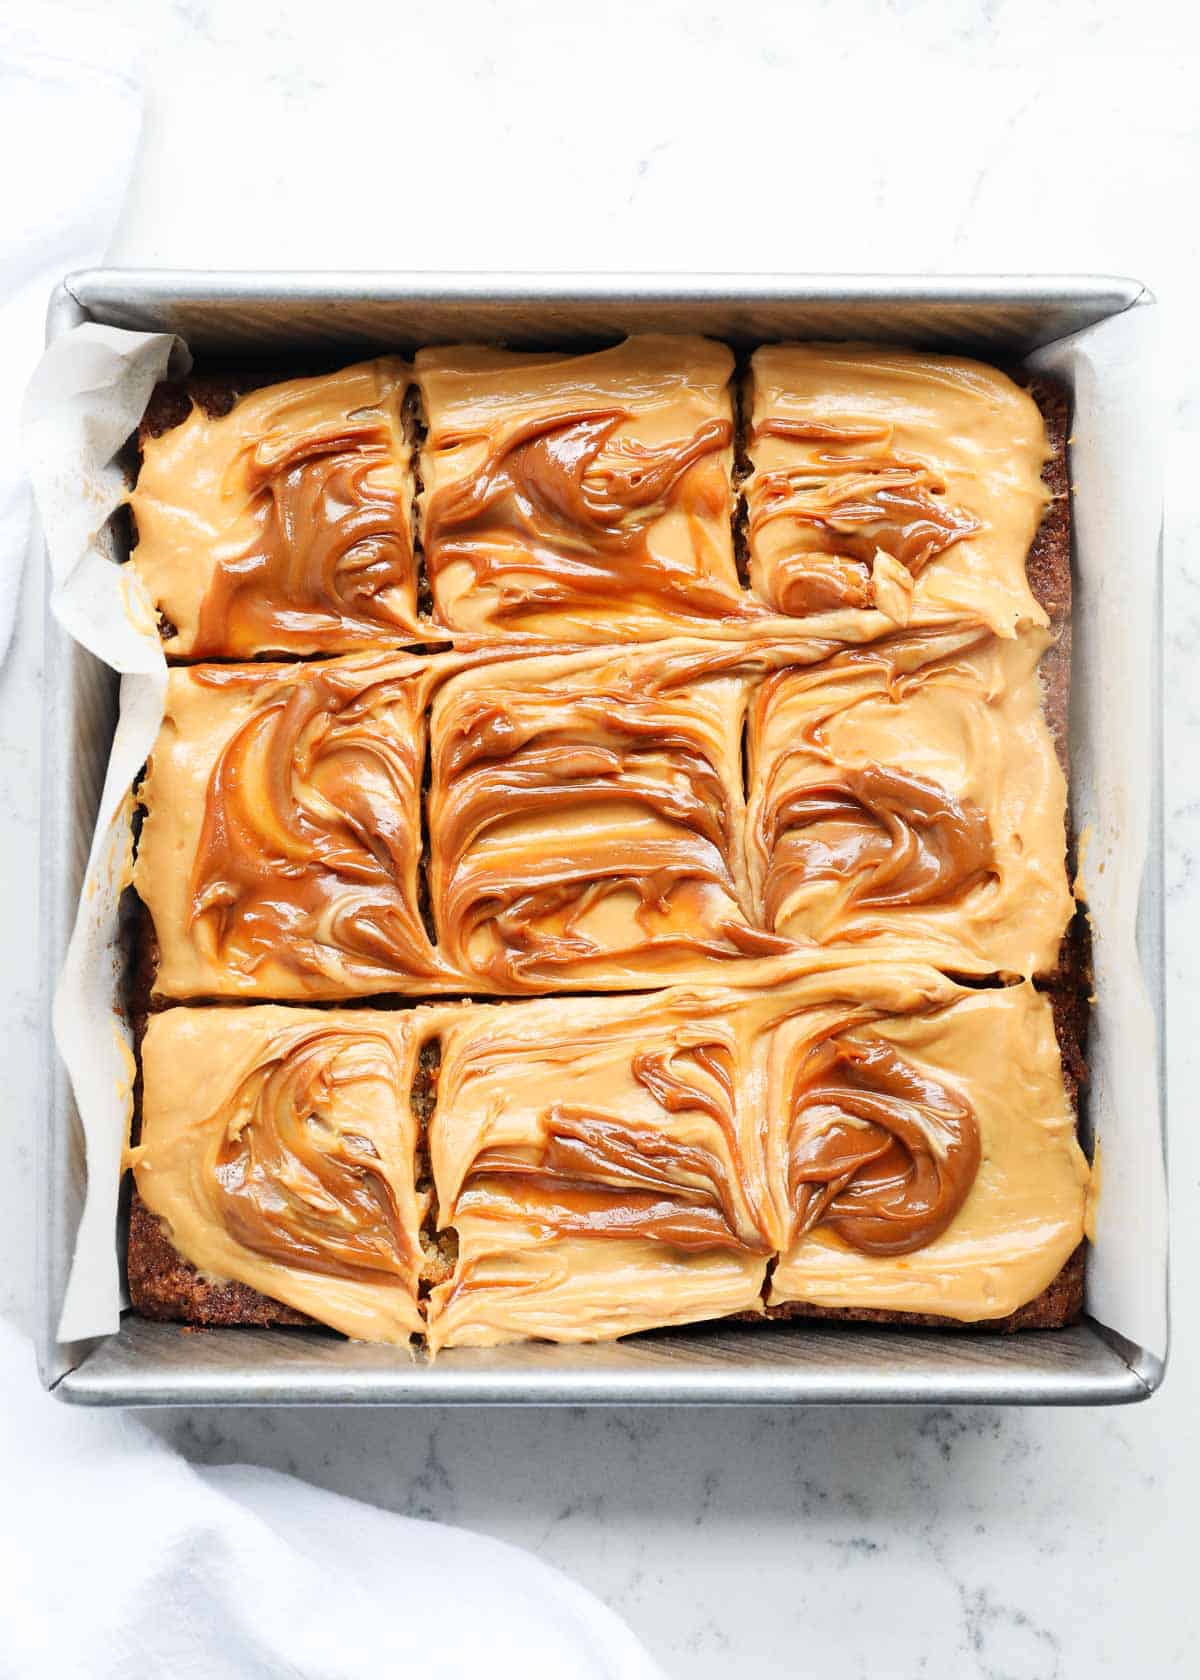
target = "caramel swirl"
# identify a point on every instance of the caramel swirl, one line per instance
(895, 840)
(290, 1184)
(852, 496)
(331, 541)
(283, 524)
(508, 764)
(597, 1175)
(882, 1152)
(544, 501)
(309, 843)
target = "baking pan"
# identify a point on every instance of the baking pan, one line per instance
(239, 317)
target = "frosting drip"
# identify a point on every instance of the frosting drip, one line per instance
(852, 496)
(310, 836)
(292, 1185)
(880, 1151)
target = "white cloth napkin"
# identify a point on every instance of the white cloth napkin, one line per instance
(118, 1559)
(70, 117)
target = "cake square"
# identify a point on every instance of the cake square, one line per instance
(927, 1161)
(892, 487)
(582, 497)
(279, 520)
(906, 800)
(599, 1167)
(278, 1149)
(280, 852)
(586, 815)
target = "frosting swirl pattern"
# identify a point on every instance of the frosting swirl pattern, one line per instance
(596, 1161)
(279, 1147)
(587, 497)
(610, 1164)
(295, 796)
(923, 1160)
(594, 1174)
(891, 487)
(588, 823)
(284, 525)
(289, 1183)
(850, 495)
(915, 809)
(878, 1150)
(893, 838)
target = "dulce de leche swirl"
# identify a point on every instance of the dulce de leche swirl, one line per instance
(906, 799)
(587, 823)
(278, 1146)
(599, 1167)
(850, 495)
(584, 496)
(285, 524)
(929, 1157)
(280, 853)
(891, 485)
(607, 1165)
(288, 1183)
(879, 1150)
(311, 833)
(596, 1174)
(894, 839)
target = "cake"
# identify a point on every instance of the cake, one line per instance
(757, 725)
(892, 485)
(912, 809)
(278, 519)
(279, 1148)
(279, 851)
(586, 497)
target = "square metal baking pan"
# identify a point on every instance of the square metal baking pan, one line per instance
(235, 316)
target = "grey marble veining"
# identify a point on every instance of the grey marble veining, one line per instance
(871, 136)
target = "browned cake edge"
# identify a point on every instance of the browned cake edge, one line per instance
(1059, 1305)
(1048, 568)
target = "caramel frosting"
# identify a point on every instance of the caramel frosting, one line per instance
(890, 1138)
(587, 822)
(912, 811)
(583, 497)
(891, 487)
(928, 1162)
(280, 851)
(285, 525)
(610, 1165)
(594, 1160)
(278, 1146)
(587, 816)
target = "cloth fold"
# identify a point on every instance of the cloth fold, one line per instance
(120, 1558)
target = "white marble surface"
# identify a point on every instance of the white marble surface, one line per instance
(930, 137)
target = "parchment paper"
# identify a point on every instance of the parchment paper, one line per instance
(86, 398)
